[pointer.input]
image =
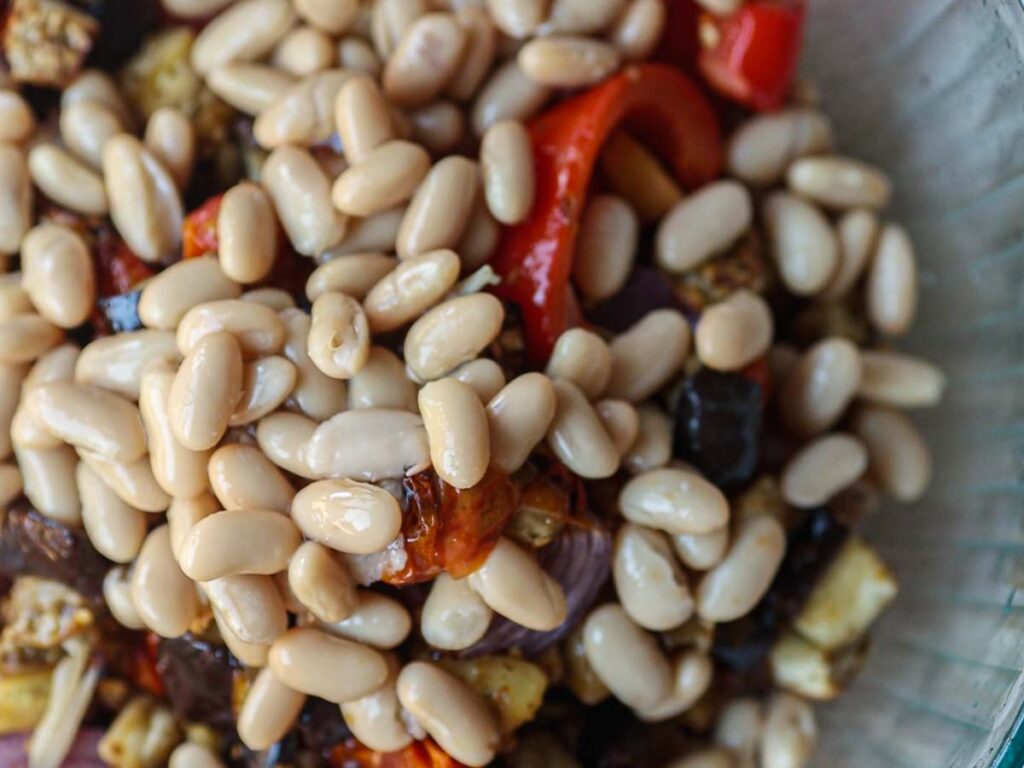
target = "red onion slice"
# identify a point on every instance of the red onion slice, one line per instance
(580, 561)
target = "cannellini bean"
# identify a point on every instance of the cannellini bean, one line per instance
(620, 421)
(577, 436)
(712, 757)
(164, 596)
(410, 289)
(249, 88)
(692, 673)
(455, 715)
(440, 210)
(457, 430)
(66, 180)
(15, 198)
(319, 664)
(59, 364)
(625, 658)
(373, 233)
(702, 225)
(821, 469)
(638, 29)
(648, 355)
(27, 432)
(11, 377)
(133, 482)
(85, 127)
(170, 137)
(452, 333)
(675, 501)
(184, 513)
(650, 584)
(353, 275)
(277, 299)
(506, 165)
(357, 55)
(479, 240)
(890, 378)
(803, 243)
(839, 182)
(114, 528)
(238, 541)
(478, 52)
(117, 594)
(145, 203)
(193, 755)
(250, 605)
(251, 654)
(321, 582)
(24, 338)
(382, 383)
(857, 231)
(733, 587)
(454, 616)
(389, 444)
(790, 732)
(484, 376)
(378, 620)
(701, 551)
(439, 127)
(15, 116)
(891, 289)
(734, 332)
(390, 19)
(513, 585)
(566, 61)
(387, 176)
(817, 391)
(425, 60)
(90, 418)
(247, 233)
(118, 362)
(14, 298)
(899, 455)
(242, 478)
(376, 719)
(583, 16)
(363, 118)
(332, 16)
(763, 147)
(347, 516)
(266, 384)
(302, 196)
(284, 439)
(606, 247)
(739, 729)
(167, 297)
(339, 335)
(519, 416)
(582, 358)
(10, 484)
(257, 329)
(176, 469)
(304, 51)
(268, 712)
(518, 18)
(49, 480)
(95, 85)
(507, 95)
(205, 391)
(243, 32)
(58, 274)
(304, 114)
(316, 394)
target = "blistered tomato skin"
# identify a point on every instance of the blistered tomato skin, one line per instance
(718, 426)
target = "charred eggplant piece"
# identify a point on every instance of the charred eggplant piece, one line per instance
(718, 426)
(200, 679)
(320, 726)
(33, 544)
(646, 290)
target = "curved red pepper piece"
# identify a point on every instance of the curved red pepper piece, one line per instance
(752, 55)
(656, 104)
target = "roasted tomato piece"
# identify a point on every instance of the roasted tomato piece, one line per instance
(453, 530)
(420, 754)
(199, 232)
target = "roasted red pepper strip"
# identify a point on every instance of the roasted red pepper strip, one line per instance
(657, 105)
(199, 232)
(419, 754)
(751, 56)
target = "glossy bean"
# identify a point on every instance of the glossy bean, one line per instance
(167, 297)
(238, 541)
(675, 501)
(115, 529)
(249, 604)
(117, 594)
(457, 431)
(425, 60)
(513, 585)
(347, 516)
(734, 332)
(577, 437)
(178, 470)
(257, 329)
(454, 617)
(452, 333)
(66, 180)
(733, 587)
(58, 274)
(118, 362)
(899, 456)
(247, 233)
(387, 176)
(650, 584)
(302, 196)
(319, 664)
(507, 95)
(413, 287)
(284, 439)
(269, 710)
(244, 32)
(184, 513)
(164, 597)
(49, 480)
(626, 658)
(440, 210)
(205, 391)
(581, 357)
(89, 418)
(648, 355)
(242, 477)
(567, 61)
(249, 88)
(339, 335)
(321, 582)
(376, 719)
(519, 416)
(377, 620)
(315, 394)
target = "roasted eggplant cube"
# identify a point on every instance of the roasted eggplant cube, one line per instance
(806, 670)
(850, 595)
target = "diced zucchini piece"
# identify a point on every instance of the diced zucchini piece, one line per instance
(804, 669)
(851, 594)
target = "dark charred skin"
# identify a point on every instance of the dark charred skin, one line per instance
(35, 545)
(200, 678)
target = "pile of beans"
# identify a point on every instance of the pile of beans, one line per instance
(242, 453)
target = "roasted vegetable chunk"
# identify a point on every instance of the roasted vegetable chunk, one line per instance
(807, 670)
(46, 42)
